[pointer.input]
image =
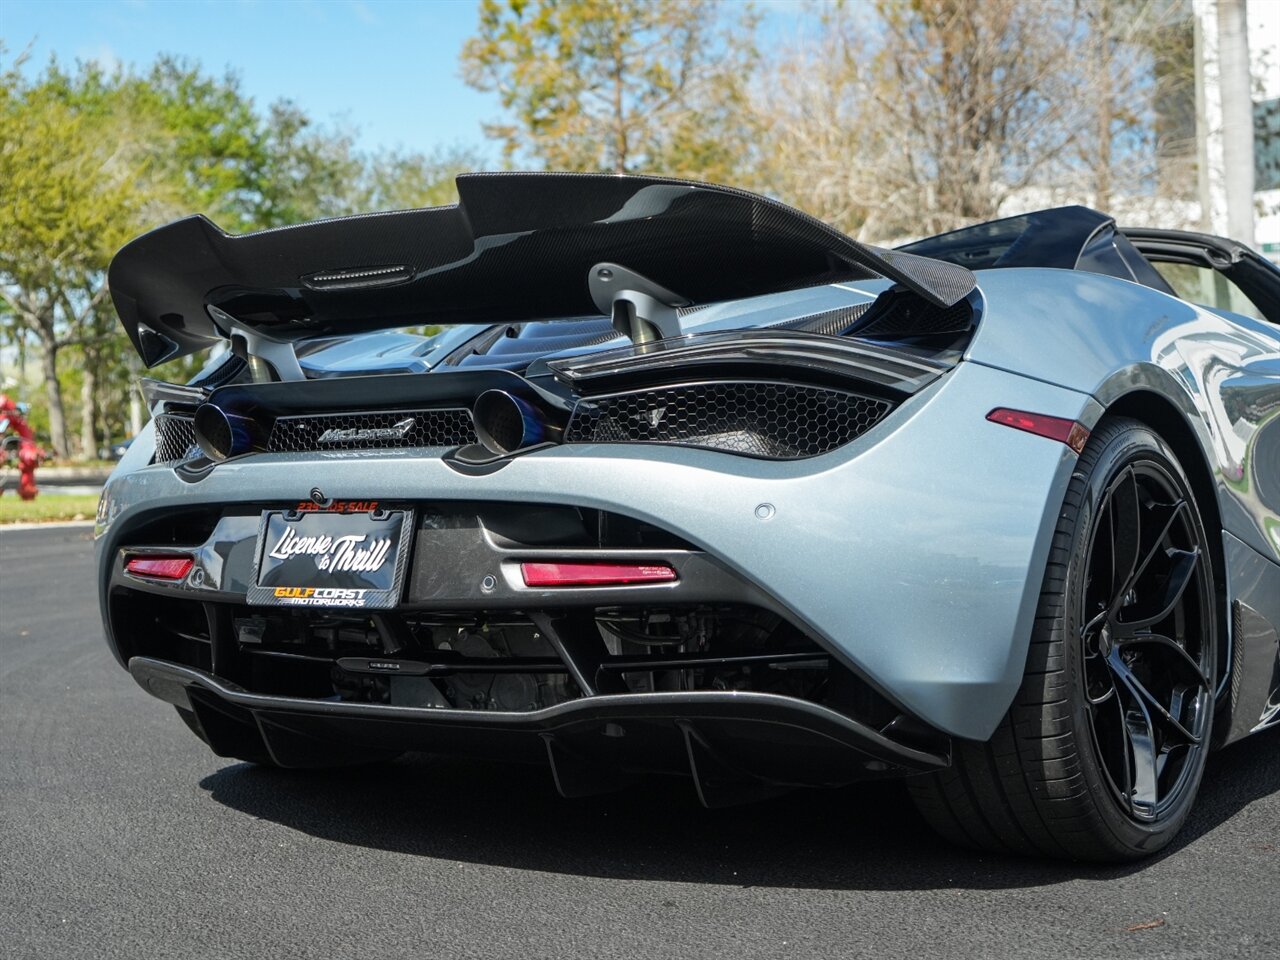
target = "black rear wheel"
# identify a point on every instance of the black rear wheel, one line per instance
(1103, 750)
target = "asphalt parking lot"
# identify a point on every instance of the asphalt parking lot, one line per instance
(122, 836)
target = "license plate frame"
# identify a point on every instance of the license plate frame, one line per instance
(331, 559)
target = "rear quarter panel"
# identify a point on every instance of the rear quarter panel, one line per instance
(1112, 339)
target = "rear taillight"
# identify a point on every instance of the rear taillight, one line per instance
(1073, 434)
(159, 567)
(595, 574)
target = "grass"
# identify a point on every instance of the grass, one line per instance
(47, 507)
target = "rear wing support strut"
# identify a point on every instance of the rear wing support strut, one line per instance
(642, 310)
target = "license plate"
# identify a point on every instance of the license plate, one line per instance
(331, 559)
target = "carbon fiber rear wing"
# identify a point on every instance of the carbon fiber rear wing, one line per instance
(517, 247)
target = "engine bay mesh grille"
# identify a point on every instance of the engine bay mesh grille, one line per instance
(373, 430)
(175, 438)
(777, 421)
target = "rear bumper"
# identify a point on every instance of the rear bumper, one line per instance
(732, 744)
(914, 554)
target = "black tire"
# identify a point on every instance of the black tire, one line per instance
(1074, 771)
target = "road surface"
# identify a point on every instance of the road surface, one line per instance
(121, 836)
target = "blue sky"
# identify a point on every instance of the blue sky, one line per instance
(386, 68)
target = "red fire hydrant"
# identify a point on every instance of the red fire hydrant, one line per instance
(19, 444)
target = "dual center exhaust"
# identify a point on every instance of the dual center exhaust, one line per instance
(504, 422)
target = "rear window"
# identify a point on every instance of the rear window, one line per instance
(1208, 287)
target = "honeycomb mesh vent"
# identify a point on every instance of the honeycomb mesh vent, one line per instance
(373, 431)
(779, 421)
(175, 438)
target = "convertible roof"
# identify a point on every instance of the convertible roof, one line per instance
(517, 246)
(1065, 238)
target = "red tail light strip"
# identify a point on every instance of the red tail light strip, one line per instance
(1075, 435)
(159, 568)
(595, 574)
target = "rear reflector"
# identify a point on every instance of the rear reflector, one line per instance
(1073, 434)
(159, 568)
(594, 574)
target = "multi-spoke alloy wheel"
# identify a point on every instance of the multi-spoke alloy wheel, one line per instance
(1103, 749)
(1144, 640)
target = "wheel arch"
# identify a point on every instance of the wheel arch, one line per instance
(1162, 416)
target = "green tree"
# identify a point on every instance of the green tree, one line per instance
(399, 180)
(69, 199)
(301, 171)
(203, 137)
(621, 85)
(90, 159)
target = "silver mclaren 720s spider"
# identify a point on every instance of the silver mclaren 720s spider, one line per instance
(630, 476)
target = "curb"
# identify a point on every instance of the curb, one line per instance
(73, 474)
(51, 525)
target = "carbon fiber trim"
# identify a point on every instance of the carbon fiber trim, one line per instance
(778, 348)
(829, 323)
(909, 316)
(806, 743)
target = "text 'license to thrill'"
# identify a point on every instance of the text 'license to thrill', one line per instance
(331, 559)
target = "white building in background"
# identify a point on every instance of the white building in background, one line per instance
(1179, 204)
(1264, 57)
(1264, 31)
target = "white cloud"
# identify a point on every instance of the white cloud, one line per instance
(102, 55)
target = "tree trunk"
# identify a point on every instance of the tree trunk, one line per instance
(1204, 191)
(136, 418)
(1106, 110)
(619, 111)
(88, 411)
(53, 394)
(135, 411)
